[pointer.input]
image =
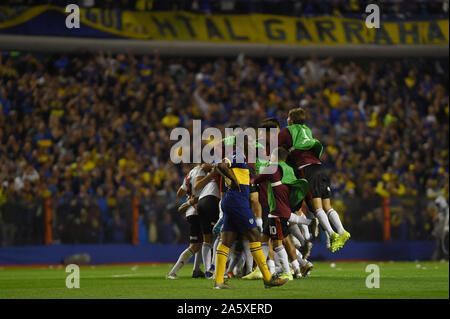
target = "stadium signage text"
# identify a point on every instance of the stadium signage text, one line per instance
(250, 28)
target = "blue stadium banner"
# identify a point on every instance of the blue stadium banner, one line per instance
(247, 28)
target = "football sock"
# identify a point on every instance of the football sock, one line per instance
(216, 244)
(206, 254)
(295, 231)
(336, 221)
(294, 218)
(248, 257)
(258, 256)
(276, 259)
(184, 257)
(323, 220)
(265, 248)
(306, 232)
(197, 261)
(221, 260)
(271, 265)
(300, 259)
(283, 257)
(295, 265)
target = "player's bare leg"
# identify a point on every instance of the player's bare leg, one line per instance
(255, 206)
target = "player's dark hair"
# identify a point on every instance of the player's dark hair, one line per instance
(270, 122)
(297, 115)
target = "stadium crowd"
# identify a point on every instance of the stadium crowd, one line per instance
(91, 131)
(399, 9)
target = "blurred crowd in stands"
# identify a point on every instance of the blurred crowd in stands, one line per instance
(389, 8)
(91, 132)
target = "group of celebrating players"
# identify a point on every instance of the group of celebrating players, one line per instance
(246, 214)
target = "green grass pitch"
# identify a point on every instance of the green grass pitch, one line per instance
(341, 280)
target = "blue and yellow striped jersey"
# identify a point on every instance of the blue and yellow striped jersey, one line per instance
(238, 164)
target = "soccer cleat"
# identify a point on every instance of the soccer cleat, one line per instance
(334, 242)
(343, 239)
(278, 271)
(229, 274)
(314, 228)
(212, 269)
(297, 274)
(275, 282)
(198, 274)
(306, 270)
(256, 274)
(306, 249)
(209, 275)
(237, 271)
(223, 285)
(171, 276)
(287, 276)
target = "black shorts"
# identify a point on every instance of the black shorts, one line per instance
(195, 231)
(277, 228)
(253, 187)
(265, 215)
(208, 211)
(298, 206)
(318, 181)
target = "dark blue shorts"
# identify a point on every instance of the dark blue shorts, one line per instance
(237, 219)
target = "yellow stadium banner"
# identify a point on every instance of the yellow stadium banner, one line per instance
(249, 28)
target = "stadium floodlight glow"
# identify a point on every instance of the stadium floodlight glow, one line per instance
(206, 146)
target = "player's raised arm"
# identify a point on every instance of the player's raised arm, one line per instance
(190, 202)
(201, 181)
(184, 188)
(181, 192)
(224, 169)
